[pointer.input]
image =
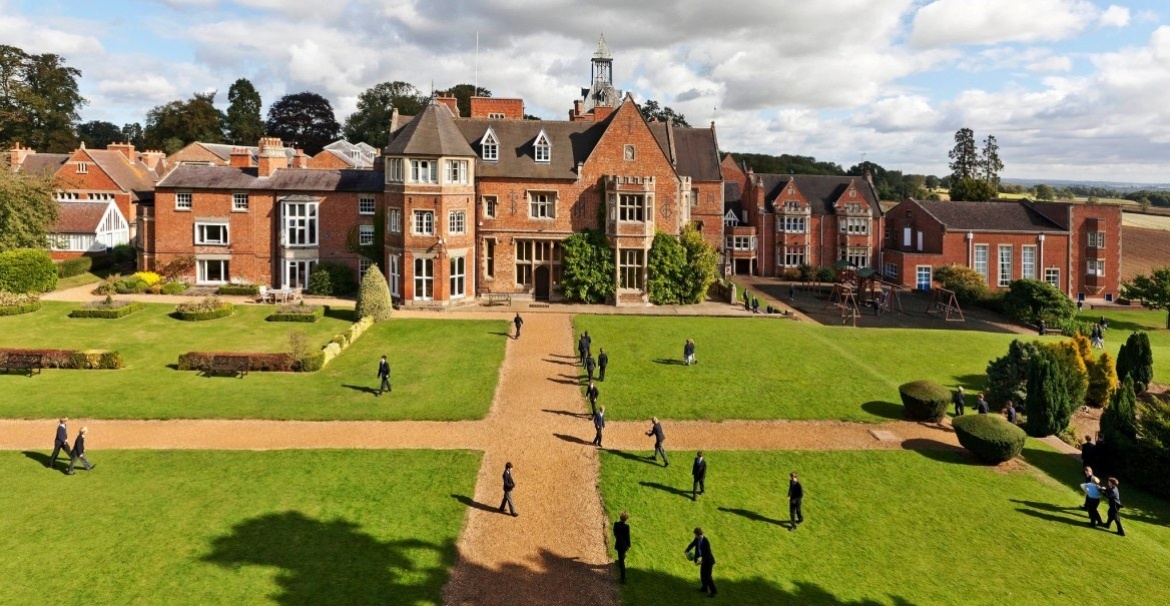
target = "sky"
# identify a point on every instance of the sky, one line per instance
(1071, 89)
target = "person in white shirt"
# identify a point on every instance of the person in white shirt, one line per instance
(1092, 490)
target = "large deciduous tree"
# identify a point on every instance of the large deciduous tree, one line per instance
(98, 134)
(1152, 290)
(463, 94)
(132, 133)
(303, 120)
(28, 212)
(371, 122)
(244, 124)
(170, 127)
(651, 110)
(39, 100)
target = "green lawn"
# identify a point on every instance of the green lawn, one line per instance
(755, 368)
(78, 280)
(442, 369)
(1122, 323)
(218, 527)
(883, 527)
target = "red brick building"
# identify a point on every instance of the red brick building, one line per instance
(1074, 247)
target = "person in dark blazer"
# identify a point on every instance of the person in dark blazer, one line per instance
(60, 442)
(384, 374)
(583, 346)
(981, 405)
(590, 365)
(1113, 496)
(602, 362)
(699, 473)
(599, 425)
(621, 541)
(1009, 412)
(705, 559)
(592, 393)
(509, 484)
(960, 402)
(659, 438)
(795, 496)
(518, 322)
(79, 453)
(1088, 452)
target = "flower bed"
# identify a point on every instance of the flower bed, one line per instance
(89, 359)
(13, 304)
(138, 284)
(207, 308)
(242, 290)
(107, 310)
(297, 313)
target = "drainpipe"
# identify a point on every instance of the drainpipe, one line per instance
(1040, 239)
(971, 249)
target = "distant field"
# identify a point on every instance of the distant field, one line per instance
(1144, 249)
(1159, 222)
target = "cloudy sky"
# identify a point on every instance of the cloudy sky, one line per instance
(1072, 89)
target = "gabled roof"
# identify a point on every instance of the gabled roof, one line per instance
(43, 164)
(131, 176)
(80, 217)
(693, 150)
(821, 191)
(431, 133)
(224, 150)
(989, 216)
(572, 142)
(228, 177)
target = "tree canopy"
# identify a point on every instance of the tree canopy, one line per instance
(303, 120)
(243, 122)
(463, 94)
(98, 133)
(651, 110)
(170, 127)
(28, 212)
(788, 164)
(974, 172)
(371, 122)
(39, 100)
(1153, 290)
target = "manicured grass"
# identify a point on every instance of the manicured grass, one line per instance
(218, 527)
(78, 280)
(757, 368)
(442, 369)
(1122, 323)
(882, 527)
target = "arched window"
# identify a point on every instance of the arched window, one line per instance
(543, 148)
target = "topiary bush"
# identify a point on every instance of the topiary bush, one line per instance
(374, 297)
(74, 267)
(241, 290)
(27, 271)
(924, 400)
(207, 308)
(990, 438)
(297, 313)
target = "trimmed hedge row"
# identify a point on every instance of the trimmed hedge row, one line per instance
(108, 313)
(89, 359)
(312, 314)
(74, 267)
(924, 400)
(22, 308)
(224, 310)
(257, 362)
(989, 438)
(243, 290)
(27, 270)
(345, 339)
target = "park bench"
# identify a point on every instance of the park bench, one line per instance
(236, 366)
(25, 362)
(496, 298)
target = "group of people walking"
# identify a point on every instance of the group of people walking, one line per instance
(1094, 492)
(61, 444)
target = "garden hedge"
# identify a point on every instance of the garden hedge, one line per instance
(20, 308)
(74, 267)
(257, 362)
(223, 311)
(242, 290)
(27, 270)
(90, 359)
(311, 314)
(108, 313)
(989, 438)
(924, 400)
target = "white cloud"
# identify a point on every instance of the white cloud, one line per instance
(1114, 16)
(956, 22)
(1052, 63)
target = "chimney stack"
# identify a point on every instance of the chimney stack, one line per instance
(152, 157)
(301, 160)
(241, 158)
(17, 154)
(126, 148)
(452, 104)
(272, 156)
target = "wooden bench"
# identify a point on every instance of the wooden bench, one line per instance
(496, 298)
(236, 366)
(24, 362)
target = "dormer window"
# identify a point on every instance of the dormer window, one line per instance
(490, 146)
(543, 148)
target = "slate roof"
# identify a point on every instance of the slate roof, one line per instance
(80, 217)
(290, 179)
(431, 133)
(224, 150)
(43, 164)
(571, 142)
(693, 150)
(732, 191)
(821, 191)
(358, 155)
(989, 216)
(133, 177)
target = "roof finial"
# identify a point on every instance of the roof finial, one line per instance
(602, 51)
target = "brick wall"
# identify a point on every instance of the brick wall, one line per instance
(328, 160)
(195, 154)
(512, 109)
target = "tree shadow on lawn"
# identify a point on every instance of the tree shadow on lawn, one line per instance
(362, 388)
(629, 456)
(885, 410)
(755, 517)
(671, 489)
(1068, 470)
(472, 503)
(669, 361)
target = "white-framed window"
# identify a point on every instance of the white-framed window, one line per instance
(495, 115)
(1028, 262)
(82, 168)
(395, 262)
(792, 206)
(240, 201)
(1052, 276)
(100, 197)
(922, 277)
(456, 171)
(891, 271)
(456, 222)
(211, 234)
(394, 169)
(1096, 267)
(422, 171)
(76, 242)
(1096, 239)
(364, 264)
(857, 256)
(489, 258)
(489, 206)
(297, 272)
(424, 279)
(212, 271)
(366, 205)
(531, 254)
(632, 207)
(424, 223)
(630, 262)
(792, 256)
(543, 148)
(366, 235)
(741, 242)
(394, 220)
(67, 196)
(490, 146)
(183, 200)
(458, 277)
(300, 223)
(542, 205)
(1005, 265)
(855, 226)
(792, 225)
(981, 262)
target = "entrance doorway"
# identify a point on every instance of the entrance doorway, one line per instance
(541, 290)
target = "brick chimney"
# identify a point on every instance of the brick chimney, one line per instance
(241, 158)
(301, 160)
(272, 156)
(451, 102)
(127, 149)
(17, 154)
(152, 157)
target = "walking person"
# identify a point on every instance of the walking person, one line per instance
(981, 405)
(79, 453)
(795, 496)
(1088, 453)
(659, 438)
(591, 393)
(602, 362)
(1092, 490)
(583, 347)
(590, 365)
(689, 352)
(60, 443)
(1009, 412)
(1113, 496)
(518, 322)
(791, 293)
(384, 374)
(599, 425)
(705, 560)
(621, 541)
(699, 474)
(960, 402)
(755, 305)
(509, 484)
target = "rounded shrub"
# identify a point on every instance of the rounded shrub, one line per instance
(989, 438)
(27, 271)
(924, 400)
